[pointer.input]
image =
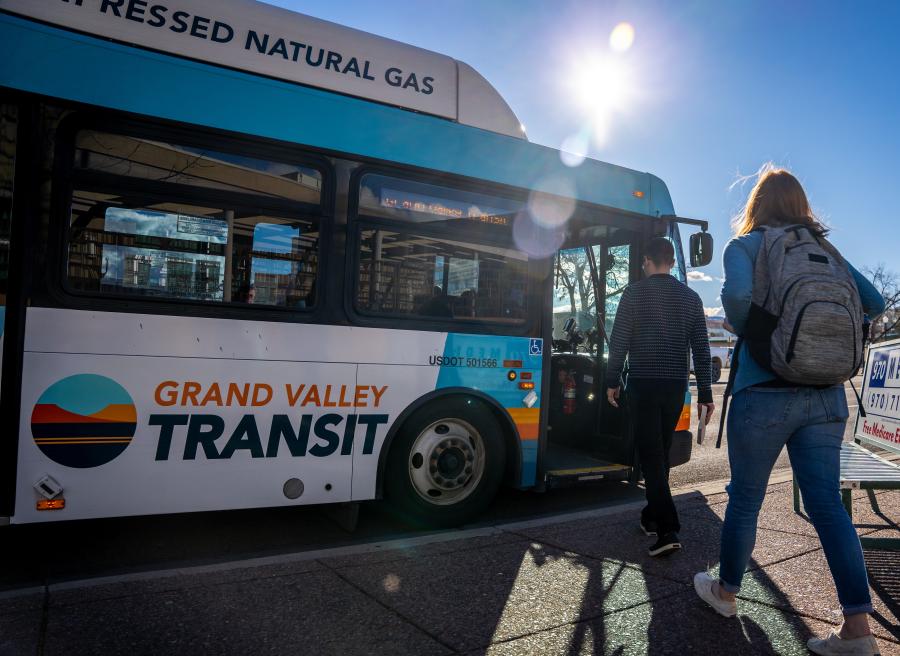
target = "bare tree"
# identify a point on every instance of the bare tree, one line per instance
(574, 276)
(887, 283)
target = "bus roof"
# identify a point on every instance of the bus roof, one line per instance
(268, 40)
(63, 64)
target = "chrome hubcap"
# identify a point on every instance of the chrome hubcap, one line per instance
(446, 462)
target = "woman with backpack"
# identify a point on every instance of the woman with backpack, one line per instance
(796, 304)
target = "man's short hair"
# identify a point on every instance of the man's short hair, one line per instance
(661, 251)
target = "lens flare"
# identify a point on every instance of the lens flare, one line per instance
(574, 149)
(600, 125)
(535, 239)
(391, 583)
(553, 202)
(622, 37)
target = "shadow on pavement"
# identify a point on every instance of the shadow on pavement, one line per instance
(582, 587)
(884, 578)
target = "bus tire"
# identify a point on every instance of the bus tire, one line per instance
(680, 451)
(716, 370)
(446, 463)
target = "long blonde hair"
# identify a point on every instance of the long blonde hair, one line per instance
(777, 199)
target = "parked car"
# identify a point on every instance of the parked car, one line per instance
(721, 359)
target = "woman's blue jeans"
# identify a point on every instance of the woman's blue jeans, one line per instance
(811, 423)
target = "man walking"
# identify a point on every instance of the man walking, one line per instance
(658, 321)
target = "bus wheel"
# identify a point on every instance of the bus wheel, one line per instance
(716, 371)
(446, 463)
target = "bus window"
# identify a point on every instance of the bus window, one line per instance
(283, 265)
(198, 168)
(153, 219)
(426, 276)
(574, 297)
(464, 268)
(618, 267)
(674, 236)
(421, 203)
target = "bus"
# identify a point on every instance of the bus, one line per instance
(255, 259)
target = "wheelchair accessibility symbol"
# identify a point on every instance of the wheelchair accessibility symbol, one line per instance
(536, 346)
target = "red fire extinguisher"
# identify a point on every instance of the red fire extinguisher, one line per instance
(569, 395)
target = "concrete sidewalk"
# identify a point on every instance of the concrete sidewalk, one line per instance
(580, 584)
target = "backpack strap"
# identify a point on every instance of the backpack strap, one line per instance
(862, 410)
(866, 330)
(729, 386)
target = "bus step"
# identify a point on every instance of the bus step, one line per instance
(579, 475)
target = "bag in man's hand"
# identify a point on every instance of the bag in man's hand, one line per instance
(806, 317)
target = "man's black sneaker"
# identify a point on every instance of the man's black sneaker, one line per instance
(649, 528)
(665, 545)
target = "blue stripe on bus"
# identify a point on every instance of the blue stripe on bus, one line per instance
(493, 381)
(529, 464)
(63, 64)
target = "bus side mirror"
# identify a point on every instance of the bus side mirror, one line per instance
(701, 249)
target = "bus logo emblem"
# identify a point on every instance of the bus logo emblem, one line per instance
(83, 421)
(536, 346)
(879, 373)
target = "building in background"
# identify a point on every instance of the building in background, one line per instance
(718, 335)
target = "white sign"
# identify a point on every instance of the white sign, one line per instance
(881, 397)
(260, 38)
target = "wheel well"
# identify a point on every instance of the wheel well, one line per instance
(510, 434)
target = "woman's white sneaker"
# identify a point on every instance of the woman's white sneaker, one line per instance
(703, 584)
(835, 645)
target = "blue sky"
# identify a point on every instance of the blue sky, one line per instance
(716, 89)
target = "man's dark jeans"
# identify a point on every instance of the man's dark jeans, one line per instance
(655, 406)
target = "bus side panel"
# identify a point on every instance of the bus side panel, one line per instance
(478, 362)
(122, 435)
(141, 414)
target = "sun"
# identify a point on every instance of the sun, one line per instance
(602, 86)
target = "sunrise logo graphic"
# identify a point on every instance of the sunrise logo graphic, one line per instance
(83, 421)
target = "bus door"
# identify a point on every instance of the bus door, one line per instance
(616, 266)
(587, 438)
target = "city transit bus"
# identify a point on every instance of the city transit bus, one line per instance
(255, 259)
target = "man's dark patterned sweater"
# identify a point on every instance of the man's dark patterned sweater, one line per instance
(658, 320)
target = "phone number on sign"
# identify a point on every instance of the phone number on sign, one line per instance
(883, 401)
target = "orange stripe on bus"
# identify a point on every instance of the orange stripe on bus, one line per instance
(527, 421)
(684, 421)
(525, 415)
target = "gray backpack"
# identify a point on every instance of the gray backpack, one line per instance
(806, 317)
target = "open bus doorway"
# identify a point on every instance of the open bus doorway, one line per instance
(588, 439)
